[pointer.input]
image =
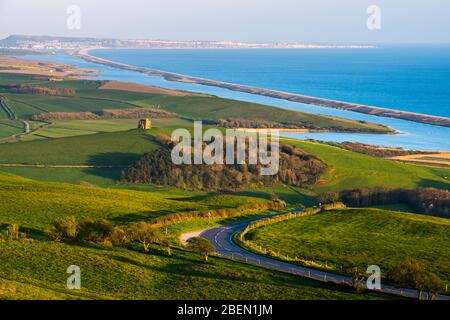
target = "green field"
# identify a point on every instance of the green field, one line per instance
(26, 105)
(51, 201)
(214, 108)
(102, 177)
(350, 170)
(9, 78)
(37, 270)
(70, 128)
(347, 169)
(10, 127)
(103, 149)
(89, 98)
(364, 236)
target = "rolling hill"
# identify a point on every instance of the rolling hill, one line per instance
(35, 268)
(364, 236)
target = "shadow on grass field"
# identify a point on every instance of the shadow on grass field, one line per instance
(38, 270)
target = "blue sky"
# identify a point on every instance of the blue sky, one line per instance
(330, 21)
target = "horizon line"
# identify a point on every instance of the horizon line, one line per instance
(338, 42)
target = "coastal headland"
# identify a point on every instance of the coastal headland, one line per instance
(328, 103)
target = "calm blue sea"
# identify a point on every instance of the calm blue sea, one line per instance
(408, 78)
(411, 78)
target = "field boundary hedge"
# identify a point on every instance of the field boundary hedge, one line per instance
(239, 237)
(217, 213)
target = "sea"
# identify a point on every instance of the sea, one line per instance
(413, 78)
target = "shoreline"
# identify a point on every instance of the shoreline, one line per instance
(17, 65)
(321, 102)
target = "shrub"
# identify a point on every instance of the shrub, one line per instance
(410, 274)
(168, 246)
(202, 246)
(65, 228)
(328, 197)
(333, 206)
(13, 231)
(351, 269)
(119, 236)
(143, 233)
(94, 230)
(271, 253)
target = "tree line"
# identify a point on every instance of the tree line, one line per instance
(32, 89)
(408, 274)
(143, 233)
(430, 201)
(131, 113)
(258, 124)
(288, 124)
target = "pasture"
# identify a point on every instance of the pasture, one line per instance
(364, 236)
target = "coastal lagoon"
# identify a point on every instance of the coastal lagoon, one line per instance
(413, 135)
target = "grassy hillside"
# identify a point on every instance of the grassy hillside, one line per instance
(10, 127)
(365, 236)
(347, 170)
(36, 205)
(102, 177)
(110, 149)
(9, 78)
(350, 170)
(38, 270)
(70, 128)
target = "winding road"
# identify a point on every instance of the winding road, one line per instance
(222, 238)
(12, 116)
